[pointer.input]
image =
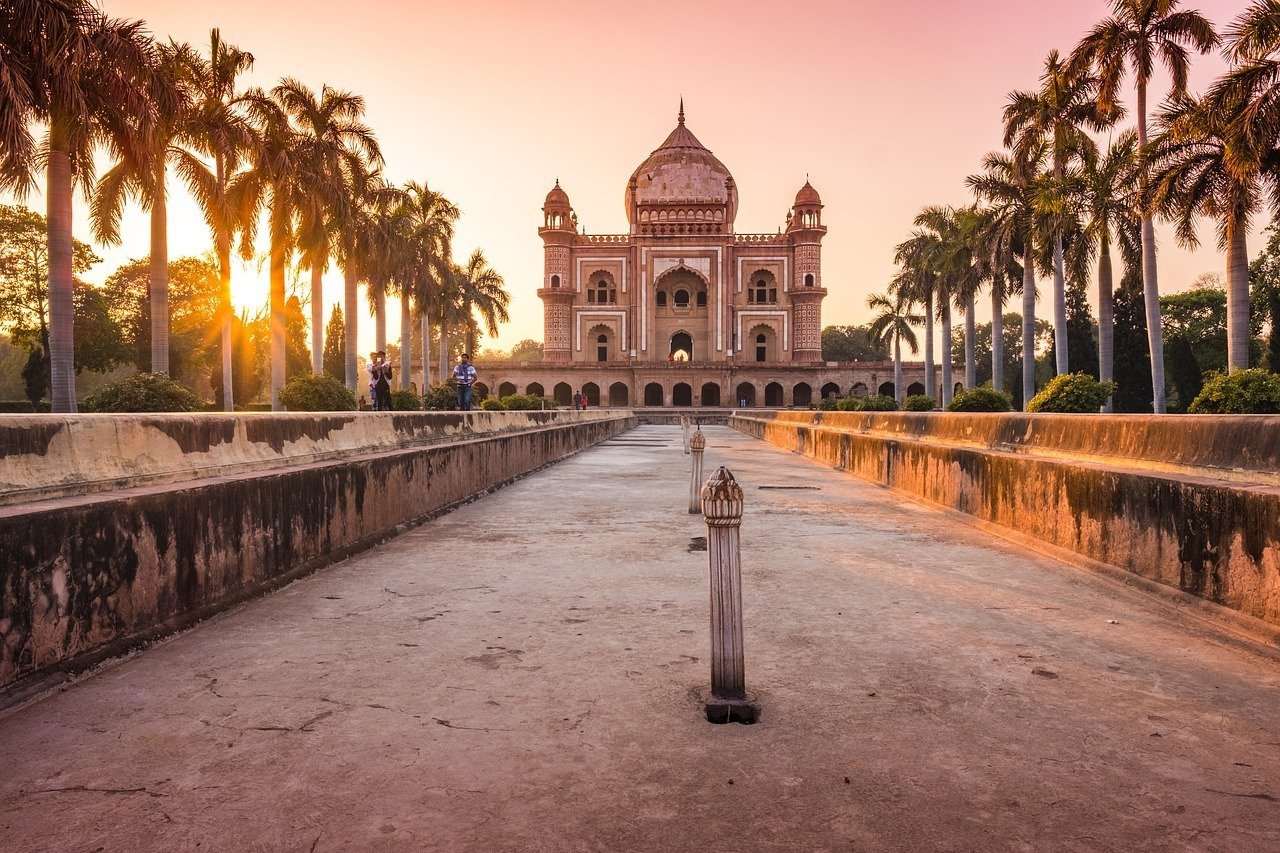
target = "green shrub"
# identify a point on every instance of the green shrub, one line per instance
(1077, 393)
(980, 400)
(527, 402)
(828, 404)
(491, 405)
(142, 392)
(878, 403)
(919, 403)
(21, 407)
(1241, 392)
(441, 398)
(404, 400)
(847, 404)
(317, 392)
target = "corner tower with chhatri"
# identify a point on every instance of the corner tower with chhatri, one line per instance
(682, 309)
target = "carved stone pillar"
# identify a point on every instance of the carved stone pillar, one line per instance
(722, 510)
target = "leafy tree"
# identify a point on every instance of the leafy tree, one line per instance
(193, 305)
(1082, 333)
(1199, 316)
(310, 392)
(1011, 329)
(297, 357)
(850, 343)
(1183, 371)
(335, 346)
(1264, 296)
(1132, 357)
(527, 350)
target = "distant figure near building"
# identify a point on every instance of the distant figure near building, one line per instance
(464, 376)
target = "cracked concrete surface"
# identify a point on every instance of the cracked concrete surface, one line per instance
(523, 674)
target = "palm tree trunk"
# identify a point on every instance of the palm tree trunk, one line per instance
(1028, 325)
(62, 371)
(930, 377)
(222, 246)
(223, 242)
(1061, 362)
(997, 333)
(426, 352)
(444, 351)
(276, 300)
(380, 321)
(946, 352)
(350, 316)
(970, 344)
(899, 393)
(1237, 298)
(159, 277)
(1150, 280)
(317, 317)
(406, 340)
(1106, 316)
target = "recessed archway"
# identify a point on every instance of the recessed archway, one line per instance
(711, 394)
(802, 395)
(914, 388)
(682, 394)
(682, 347)
(481, 390)
(829, 390)
(506, 389)
(773, 394)
(859, 389)
(619, 394)
(886, 389)
(534, 389)
(653, 394)
(745, 394)
(563, 394)
(592, 392)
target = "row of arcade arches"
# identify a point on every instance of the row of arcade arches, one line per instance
(745, 394)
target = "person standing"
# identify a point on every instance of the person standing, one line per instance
(577, 401)
(464, 376)
(374, 370)
(382, 383)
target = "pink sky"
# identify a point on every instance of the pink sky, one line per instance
(886, 105)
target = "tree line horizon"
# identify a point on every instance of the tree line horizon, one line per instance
(301, 162)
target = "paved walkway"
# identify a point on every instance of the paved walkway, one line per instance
(521, 675)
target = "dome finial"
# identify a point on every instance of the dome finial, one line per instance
(680, 118)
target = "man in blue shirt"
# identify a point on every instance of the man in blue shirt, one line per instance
(464, 375)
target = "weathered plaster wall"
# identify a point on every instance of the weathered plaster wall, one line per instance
(86, 575)
(1188, 502)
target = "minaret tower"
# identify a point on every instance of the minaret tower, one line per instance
(559, 230)
(806, 231)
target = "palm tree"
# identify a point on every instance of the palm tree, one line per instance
(482, 297)
(1010, 183)
(893, 324)
(1139, 34)
(219, 131)
(1058, 114)
(355, 227)
(171, 138)
(278, 171)
(92, 80)
(915, 282)
(1103, 190)
(1189, 176)
(433, 218)
(334, 140)
(1000, 245)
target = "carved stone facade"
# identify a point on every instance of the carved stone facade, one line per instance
(683, 291)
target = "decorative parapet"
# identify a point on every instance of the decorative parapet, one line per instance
(605, 238)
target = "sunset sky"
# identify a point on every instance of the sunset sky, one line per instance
(887, 106)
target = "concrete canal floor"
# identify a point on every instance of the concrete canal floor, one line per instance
(521, 674)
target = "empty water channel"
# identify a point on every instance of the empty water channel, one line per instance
(527, 672)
